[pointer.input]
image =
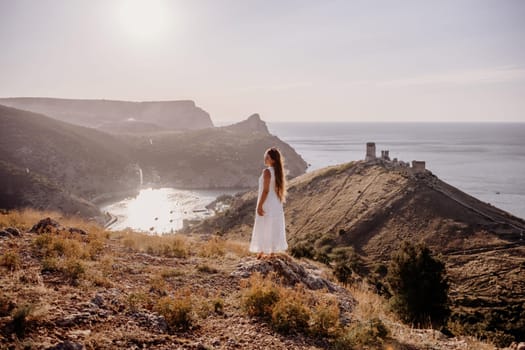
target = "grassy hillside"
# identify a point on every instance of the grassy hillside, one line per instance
(90, 288)
(374, 207)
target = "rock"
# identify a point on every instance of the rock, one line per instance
(289, 270)
(74, 319)
(6, 234)
(151, 321)
(45, 225)
(77, 230)
(98, 300)
(10, 232)
(67, 345)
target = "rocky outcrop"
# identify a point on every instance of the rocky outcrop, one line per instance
(48, 225)
(288, 270)
(173, 115)
(253, 124)
(230, 156)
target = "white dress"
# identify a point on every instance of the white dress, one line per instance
(269, 234)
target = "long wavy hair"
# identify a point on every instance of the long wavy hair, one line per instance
(280, 178)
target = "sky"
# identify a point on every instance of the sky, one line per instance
(326, 60)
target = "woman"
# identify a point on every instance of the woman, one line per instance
(269, 236)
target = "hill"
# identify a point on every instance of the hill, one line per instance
(69, 284)
(64, 163)
(69, 167)
(229, 156)
(117, 116)
(374, 206)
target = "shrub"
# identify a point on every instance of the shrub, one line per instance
(261, 296)
(6, 305)
(138, 300)
(10, 260)
(177, 310)
(218, 306)
(371, 333)
(49, 264)
(205, 268)
(74, 270)
(214, 247)
(290, 314)
(302, 250)
(20, 319)
(325, 318)
(346, 261)
(419, 285)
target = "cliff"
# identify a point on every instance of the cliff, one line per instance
(49, 164)
(229, 156)
(374, 206)
(117, 116)
(68, 167)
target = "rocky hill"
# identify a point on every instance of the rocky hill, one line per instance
(229, 156)
(50, 164)
(68, 284)
(118, 116)
(374, 206)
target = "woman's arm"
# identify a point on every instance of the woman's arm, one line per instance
(266, 188)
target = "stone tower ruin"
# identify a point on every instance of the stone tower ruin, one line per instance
(370, 151)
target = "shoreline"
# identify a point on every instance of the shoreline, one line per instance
(159, 210)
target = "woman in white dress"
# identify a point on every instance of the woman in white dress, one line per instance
(269, 236)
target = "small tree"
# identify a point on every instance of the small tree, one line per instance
(419, 285)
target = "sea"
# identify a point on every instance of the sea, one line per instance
(485, 160)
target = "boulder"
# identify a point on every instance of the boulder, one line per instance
(290, 271)
(45, 226)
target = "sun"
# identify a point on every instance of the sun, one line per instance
(144, 20)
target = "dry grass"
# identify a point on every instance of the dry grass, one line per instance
(10, 260)
(371, 306)
(177, 310)
(44, 268)
(24, 219)
(174, 246)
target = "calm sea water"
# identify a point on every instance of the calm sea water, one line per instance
(485, 160)
(162, 210)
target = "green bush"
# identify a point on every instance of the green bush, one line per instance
(419, 285)
(302, 250)
(346, 261)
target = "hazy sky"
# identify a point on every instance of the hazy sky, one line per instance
(287, 60)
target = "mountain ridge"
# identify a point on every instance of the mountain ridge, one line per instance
(99, 113)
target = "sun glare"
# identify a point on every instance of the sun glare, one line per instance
(145, 20)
